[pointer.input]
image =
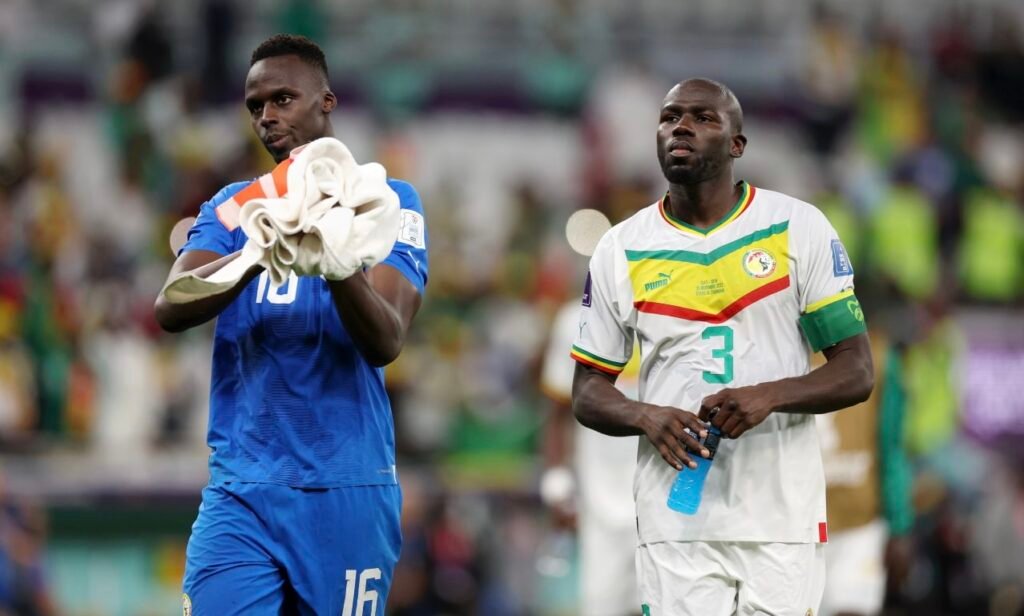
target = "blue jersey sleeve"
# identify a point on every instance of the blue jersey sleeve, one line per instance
(409, 255)
(208, 233)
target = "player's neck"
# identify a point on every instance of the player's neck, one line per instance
(705, 203)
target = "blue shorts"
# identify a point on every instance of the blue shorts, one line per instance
(268, 549)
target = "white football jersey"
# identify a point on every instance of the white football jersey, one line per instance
(604, 464)
(740, 303)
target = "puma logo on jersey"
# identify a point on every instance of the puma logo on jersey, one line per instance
(662, 280)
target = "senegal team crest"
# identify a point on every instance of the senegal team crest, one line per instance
(759, 263)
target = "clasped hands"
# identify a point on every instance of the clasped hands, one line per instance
(677, 433)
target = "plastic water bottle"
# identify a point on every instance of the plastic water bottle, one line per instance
(685, 494)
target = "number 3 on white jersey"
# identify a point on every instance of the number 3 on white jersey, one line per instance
(284, 294)
(365, 596)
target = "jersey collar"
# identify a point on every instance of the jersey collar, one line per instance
(746, 197)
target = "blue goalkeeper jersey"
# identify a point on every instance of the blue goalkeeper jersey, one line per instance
(292, 401)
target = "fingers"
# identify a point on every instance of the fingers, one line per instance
(709, 404)
(679, 438)
(727, 409)
(717, 400)
(690, 422)
(688, 432)
(688, 443)
(675, 451)
(676, 435)
(676, 459)
(738, 425)
(733, 420)
(732, 426)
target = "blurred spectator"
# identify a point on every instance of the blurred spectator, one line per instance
(868, 480)
(123, 361)
(829, 80)
(623, 101)
(996, 535)
(904, 242)
(841, 213)
(150, 45)
(23, 589)
(302, 17)
(1001, 67)
(17, 382)
(891, 103)
(931, 379)
(992, 247)
(218, 25)
(588, 478)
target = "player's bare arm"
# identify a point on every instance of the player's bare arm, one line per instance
(847, 378)
(556, 446)
(376, 308)
(179, 317)
(599, 406)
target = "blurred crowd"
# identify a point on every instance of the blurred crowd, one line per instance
(908, 134)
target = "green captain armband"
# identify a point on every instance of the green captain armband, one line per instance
(833, 320)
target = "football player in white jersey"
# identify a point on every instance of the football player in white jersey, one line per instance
(725, 288)
(601, 468)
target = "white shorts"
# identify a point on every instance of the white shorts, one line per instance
(607, 568)
(856, 570)
(679, 578)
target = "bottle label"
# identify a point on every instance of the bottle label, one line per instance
(711, 442)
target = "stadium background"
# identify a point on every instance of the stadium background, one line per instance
(902, 119)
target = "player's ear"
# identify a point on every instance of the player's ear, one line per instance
(329, 102)
(739, 143)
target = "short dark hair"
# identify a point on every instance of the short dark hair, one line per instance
(291, 45)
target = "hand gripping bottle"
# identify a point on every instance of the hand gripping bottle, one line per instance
(684, 496)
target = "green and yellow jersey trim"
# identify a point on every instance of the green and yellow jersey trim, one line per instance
(822, 303)
(595, 361)
(831, 320)
(714, 286)
(746, 197)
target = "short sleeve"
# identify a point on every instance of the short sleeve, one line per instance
(830, 312)
(557, 372)
(208, 232)
(409, 256)
(605, 339)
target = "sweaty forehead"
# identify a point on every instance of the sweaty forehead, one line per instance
(281, 72)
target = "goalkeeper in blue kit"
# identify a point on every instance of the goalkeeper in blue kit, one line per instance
(301, 514)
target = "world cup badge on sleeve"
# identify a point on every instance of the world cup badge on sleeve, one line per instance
(841, 265)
